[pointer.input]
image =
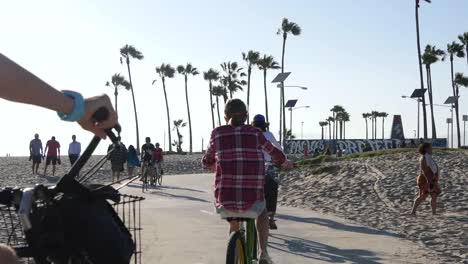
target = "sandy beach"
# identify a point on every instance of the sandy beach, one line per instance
(378, 192)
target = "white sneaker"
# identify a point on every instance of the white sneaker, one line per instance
(265, 259)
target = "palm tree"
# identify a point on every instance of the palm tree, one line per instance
(231, 78)
(265, 63)
(345, 117)
(178, 143)
(251, 58)
(366, 116)
(127, 52)
(188, 70)
(383, 115)
(166, 71)
(211, 76)
(330, 120)
(431, 55)
(336, 109)
(218, 91)
(374, 115)
(286, 28)
(464, 40)
(323, 124)
(455, 49)
(421, 78)
(118, 81)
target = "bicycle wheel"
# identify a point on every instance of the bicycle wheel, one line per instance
(144, 184)
(159, 176)
(251, 240)
(236, 249)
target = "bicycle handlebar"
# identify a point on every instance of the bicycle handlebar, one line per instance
(67, 183)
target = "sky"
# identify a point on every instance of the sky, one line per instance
(360, 54)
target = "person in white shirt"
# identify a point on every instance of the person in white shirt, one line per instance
(74, 150)
(271, 176)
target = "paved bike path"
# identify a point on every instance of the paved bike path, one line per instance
(180, 226)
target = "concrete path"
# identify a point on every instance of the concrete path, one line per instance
(180, 226)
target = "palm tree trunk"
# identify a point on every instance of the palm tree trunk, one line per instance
(283, 113)
(421, 70)
(341, 130)
(211, 105)
(115, 102)
(134, 107)
(219, 115)
(329, 130)
(322, 132)
(375, 128)
(429, 88)
(372, 119)
(189, 119)
(367, 130)
(383, 128)
(249, 72)
(334, 125)
(344, 130)
(455, 93)
(168, 116)
(266, 96)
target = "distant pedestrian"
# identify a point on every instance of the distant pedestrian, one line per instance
(35, 153)
(428, 180)
(53, 155)
(74, 150)
(132, 160)
(118, 157)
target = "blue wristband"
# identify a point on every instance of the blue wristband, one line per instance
(78, 107)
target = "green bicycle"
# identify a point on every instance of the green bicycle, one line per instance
(242, 245)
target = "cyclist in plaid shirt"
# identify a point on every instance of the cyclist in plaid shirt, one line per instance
(235, 154)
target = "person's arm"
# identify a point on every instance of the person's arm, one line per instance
(58, 149)
(427, 170)
(277, 156)
(45, 150)
(19, 85)
(42, 152)
(209, 159)
(30, 148)
(79, 148)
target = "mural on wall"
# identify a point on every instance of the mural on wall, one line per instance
(353, 145)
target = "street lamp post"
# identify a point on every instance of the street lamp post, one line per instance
(282, 109)
(419, 109)
(302, 130)
(290, 115)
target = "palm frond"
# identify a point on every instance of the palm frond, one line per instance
(461, 80)
(181, 69)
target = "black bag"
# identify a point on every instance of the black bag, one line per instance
(94, 226)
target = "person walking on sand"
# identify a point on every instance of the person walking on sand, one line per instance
(118, 157)
(271, 176)
(36, 152)
(74, 150)
(428, 180)
(53, 154)
(132, 160)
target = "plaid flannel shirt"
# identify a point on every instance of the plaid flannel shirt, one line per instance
(236, 153)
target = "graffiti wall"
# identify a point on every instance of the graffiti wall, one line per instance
(353, 145)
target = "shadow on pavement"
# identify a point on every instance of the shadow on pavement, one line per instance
(175, 196)
(336, 225)
(318, 251)
(180, 188)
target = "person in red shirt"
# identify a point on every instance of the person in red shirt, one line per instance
(53, 154)
(158, 158)
(235, 155)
